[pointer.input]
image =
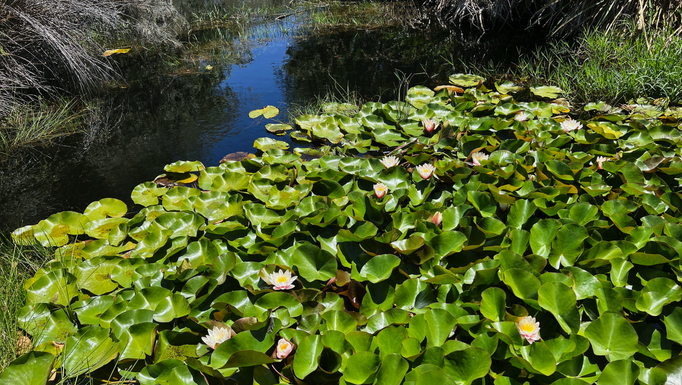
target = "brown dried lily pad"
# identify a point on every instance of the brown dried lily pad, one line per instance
(237, 156)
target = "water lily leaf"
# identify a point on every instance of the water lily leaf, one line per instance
(89, 349)
(520, 212)
(466, 80)
(379, 268)
(184, 166)
(537, 358)
(507, 87)
(464, 366)
(105, 208)
(32, 368)
(447, 243)
(307, 357)
(278, 129)
(657, 293)
(328, 130)
(409, 245)
(392, 370)
(340, 321)
(419, 96)
(612, 335)
(44, 325)
(493, 301)
(549, 92)
(360, 367)
(314, 264)
(560, 300)
(523, 283)
(265, 144)
(55, 230)
(146, 194)
(541, 236)
(619, 372)
(567, 245)
(100, 228)
(268, 112)
(171, 371)
(482, 202)
(439, 326)
(56, 287)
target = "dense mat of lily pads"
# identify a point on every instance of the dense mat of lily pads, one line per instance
(458, 237)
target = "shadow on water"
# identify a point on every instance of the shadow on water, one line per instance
(199, 113)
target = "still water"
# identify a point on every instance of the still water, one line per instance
(200, 112)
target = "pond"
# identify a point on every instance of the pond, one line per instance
(200, 112)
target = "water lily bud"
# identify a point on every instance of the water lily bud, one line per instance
(284, 348)
(426, 170)
(601, 160)
(430, 125)
(437, 218)
(380, 190)
(529, 329)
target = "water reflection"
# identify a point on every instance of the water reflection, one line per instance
(202, 114)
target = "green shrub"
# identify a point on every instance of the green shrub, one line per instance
(437, 266)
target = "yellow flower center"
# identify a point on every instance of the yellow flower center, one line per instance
(281, 279)
(283, 347)
(527, 327)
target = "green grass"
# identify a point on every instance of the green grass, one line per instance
(17, 263)
(39, 122)
(614, 67)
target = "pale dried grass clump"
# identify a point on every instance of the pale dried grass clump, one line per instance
(560, 17)
(55, 46)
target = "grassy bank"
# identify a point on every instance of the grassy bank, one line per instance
(17, 264)
(613, 67)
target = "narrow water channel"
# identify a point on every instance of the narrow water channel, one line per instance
(203, 114)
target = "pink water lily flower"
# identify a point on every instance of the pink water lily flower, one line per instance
(529, 329)
(477, 157)
(389, 161)
(281, 280)
(426, 170)
(570, 125)
(601, 160)
(284, 348)
(437, 218)
(430, 125)
(380, 190)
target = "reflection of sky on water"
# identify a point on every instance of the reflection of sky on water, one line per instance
(204, 115)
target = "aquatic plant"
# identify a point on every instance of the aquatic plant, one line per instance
(532, 265)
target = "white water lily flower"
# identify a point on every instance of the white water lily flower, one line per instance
(570, 125)
(601, 160)
(380, 190)
(430, 125)
(426, 170)
(390, 161)
(281, 280)
(529, 329)
(284, 348)
(437, 218)
(521, 116)
(477, 157)
(216, 336)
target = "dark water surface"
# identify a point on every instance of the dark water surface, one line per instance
(202, 114)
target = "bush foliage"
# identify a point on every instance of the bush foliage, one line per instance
(529, 213)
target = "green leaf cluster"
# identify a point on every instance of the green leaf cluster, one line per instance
(579, 229)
